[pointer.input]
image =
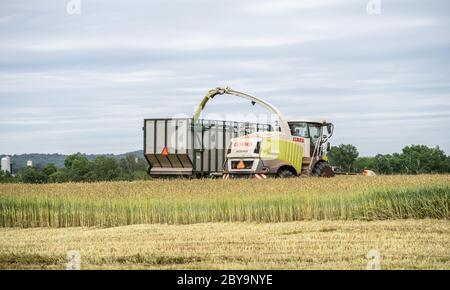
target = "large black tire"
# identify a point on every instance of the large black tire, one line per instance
(285, 173)
(322, 169)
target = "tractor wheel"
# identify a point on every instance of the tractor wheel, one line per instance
(284, 173)
(322, 169)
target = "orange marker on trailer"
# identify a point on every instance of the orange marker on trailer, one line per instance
(165, 151)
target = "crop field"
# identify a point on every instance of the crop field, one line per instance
(110, 204)
(404, 244)
(295, 223)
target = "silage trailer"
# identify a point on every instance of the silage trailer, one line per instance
(188, 147)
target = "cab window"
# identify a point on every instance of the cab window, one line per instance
(314, 132)
(299, 129)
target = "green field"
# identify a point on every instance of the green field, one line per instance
(107, 204)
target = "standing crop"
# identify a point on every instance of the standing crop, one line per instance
(107, 204)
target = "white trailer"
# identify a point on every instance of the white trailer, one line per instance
(188, 147)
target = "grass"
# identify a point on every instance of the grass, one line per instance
(403, 244)
(108, 204)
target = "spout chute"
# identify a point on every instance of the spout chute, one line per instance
(284, 126)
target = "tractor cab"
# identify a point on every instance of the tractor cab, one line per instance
(315, 134)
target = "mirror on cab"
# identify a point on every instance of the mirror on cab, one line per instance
(329, 128)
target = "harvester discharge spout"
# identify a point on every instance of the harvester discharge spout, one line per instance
(283, 124)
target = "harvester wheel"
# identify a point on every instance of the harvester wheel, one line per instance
(322, 169)
(284, 173)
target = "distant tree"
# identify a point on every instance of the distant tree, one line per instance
(396, 163)
(343, 156)
(33, 175)
(132, 168)
(140, 175)
(128, 164)
(6, 177)
(104, 168)
(61, 175)
(422, 159)
(414, 159)
(362, 163)
(49, 169)
(68, 162)
(382, 164)
(78, 167)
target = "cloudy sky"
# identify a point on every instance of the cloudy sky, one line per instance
(84, 82)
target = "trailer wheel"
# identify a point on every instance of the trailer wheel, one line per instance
(284, 173)
(322, 169)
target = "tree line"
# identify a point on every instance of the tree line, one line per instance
(78, 168)
(414, 159)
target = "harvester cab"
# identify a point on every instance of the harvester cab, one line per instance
(292, 148)
(315, 135)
